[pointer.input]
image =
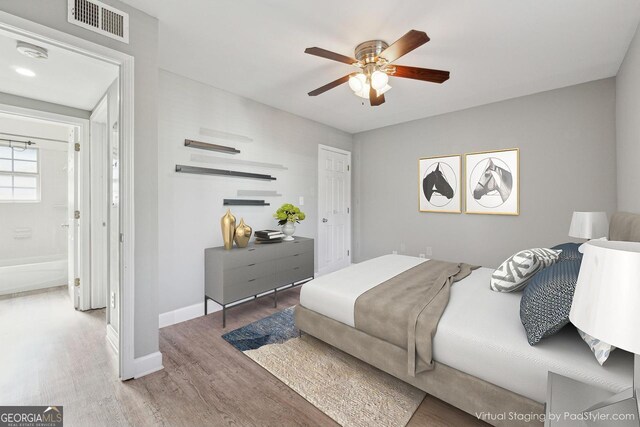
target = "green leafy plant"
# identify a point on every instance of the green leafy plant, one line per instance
(289, 213)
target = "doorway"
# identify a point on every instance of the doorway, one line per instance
(60, 99)
(334, 209)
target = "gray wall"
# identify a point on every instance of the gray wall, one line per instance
(34, 104)
(568, 159)
(143, 46)
(628, 129)
(191, 205)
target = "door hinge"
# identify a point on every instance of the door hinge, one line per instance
(77, 146)
(347, 252)
(76, 214)
(347, 210)
(121, 238)
(348, 168)
(76, 281)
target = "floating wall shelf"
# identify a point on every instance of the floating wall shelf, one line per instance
(222, 172)
(241, 202)
(211, 147)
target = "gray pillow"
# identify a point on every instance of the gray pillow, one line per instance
(599, 348)
(514, 274)
(546, 301)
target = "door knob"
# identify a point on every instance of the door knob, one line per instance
(324, 220)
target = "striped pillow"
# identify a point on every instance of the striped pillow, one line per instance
(515, 272)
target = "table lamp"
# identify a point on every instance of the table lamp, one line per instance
(589, 225)
(606, 305)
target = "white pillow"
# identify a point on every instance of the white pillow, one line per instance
(600, 349)
(517, 270)
(581, 247)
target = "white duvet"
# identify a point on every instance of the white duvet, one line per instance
(480, 332)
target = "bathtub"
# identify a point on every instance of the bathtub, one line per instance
(19, 275)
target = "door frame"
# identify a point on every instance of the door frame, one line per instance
(349, 207)
(23, 28)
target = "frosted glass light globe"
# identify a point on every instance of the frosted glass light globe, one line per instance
(379, 80)
(356, 83)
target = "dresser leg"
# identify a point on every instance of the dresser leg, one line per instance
(224, 316)
(275, 298)
(205, 306)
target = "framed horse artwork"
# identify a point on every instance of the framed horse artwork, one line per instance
(440, 184)
(492, 182)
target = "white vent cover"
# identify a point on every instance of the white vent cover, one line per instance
(100, 18)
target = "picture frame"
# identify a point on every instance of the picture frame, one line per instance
(492, 182)
(440, 184)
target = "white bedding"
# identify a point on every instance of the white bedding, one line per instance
(480, 332)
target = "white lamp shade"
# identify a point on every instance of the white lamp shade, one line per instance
(606, 302)
(589, 225)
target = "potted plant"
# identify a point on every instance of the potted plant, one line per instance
(287, 216)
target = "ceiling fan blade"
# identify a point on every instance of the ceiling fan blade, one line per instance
(331, 85)
(424, 74)
(374, 98)
(323, 53)
(405, 44)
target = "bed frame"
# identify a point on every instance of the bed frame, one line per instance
(466, 392)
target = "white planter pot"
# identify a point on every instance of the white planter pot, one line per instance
(288, 229)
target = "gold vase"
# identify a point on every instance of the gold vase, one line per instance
(243, 234)
(228, 224)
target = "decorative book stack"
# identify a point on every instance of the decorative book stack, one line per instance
(268, 236)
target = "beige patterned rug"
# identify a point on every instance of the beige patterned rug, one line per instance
(348, 390)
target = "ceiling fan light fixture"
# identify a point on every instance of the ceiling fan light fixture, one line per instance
(384, 90)
(379, 80)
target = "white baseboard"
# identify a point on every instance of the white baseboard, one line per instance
(186, 313)
(148, 364)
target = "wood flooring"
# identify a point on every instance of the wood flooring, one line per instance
(51, 354)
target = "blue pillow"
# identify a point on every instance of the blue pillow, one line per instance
(546, 301)
(569, 252)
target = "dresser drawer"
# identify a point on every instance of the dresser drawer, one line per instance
(248, 272)
(240, 290)
(294, 268)
(243, 257)
(295, 247)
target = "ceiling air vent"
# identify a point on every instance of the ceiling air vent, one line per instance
(100, 18)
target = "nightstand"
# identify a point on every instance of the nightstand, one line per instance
(568, 398)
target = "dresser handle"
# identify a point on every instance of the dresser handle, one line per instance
(252, 280)
(296, 254)
(251, 264)
(297, 268)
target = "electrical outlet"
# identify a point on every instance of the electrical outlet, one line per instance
(422, 256)
(429, 251)
(394, 252)
(113, 300)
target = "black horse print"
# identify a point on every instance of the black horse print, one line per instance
(494, 178)
(435, 182)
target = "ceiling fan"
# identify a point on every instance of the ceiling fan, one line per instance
(374, 59)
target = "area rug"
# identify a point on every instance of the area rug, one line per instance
(351, 392)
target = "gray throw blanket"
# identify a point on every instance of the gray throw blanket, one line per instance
(405, 310)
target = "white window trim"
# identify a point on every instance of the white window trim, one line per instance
(36, 174)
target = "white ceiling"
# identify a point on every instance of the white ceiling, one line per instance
(495, 49)
(65, 78)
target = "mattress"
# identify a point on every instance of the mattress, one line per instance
(480, 332)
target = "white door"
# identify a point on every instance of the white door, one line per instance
(334, 209)
(113, 316)
(99, 207)
(73, 207)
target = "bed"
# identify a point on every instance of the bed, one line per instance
(482, 361)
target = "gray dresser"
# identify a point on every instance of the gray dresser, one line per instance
(241, 273)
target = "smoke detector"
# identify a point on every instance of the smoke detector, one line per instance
(32, 51)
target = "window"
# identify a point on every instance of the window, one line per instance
(19, 174)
